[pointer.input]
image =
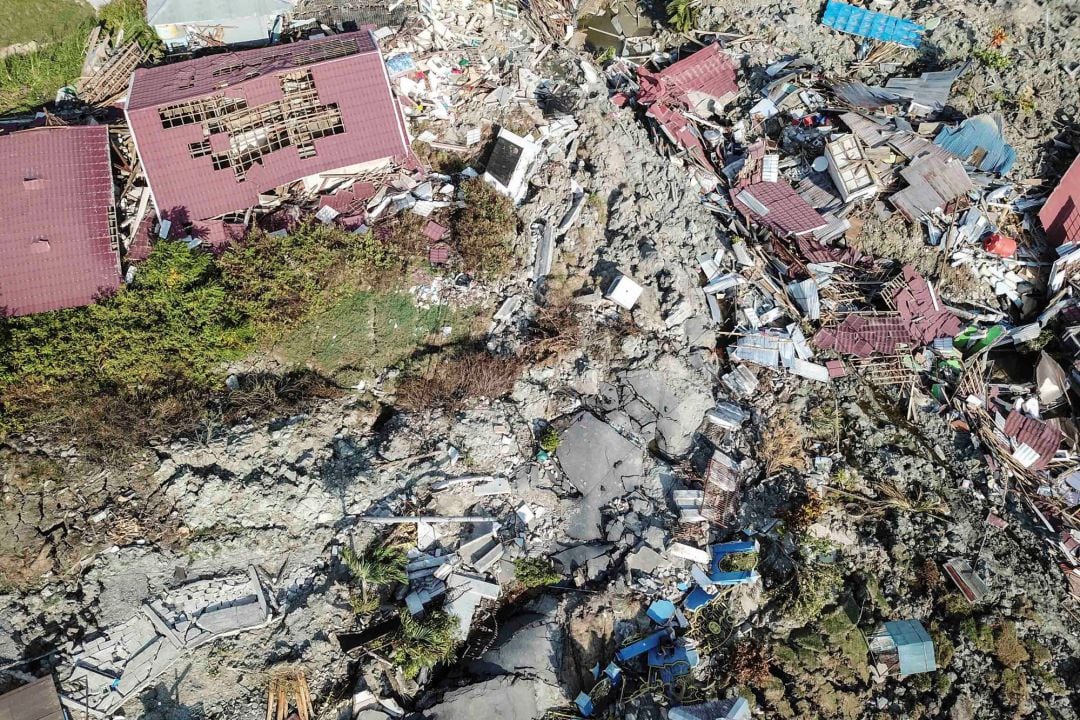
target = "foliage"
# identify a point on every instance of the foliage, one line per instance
(750, 663)
(683, 14)
(163, 338)
(276, 278)
(929, 579)
(806, 513)
(448, 383)
(1014, 687)
(129, 17)
(535, 572)
(781, 444)
(484, 229)
(943, 648)
(549, 441)
(29, 80)
(424, 643)
(980, 634)
(825, 422)
(380, 564)
(41, 21)
(842, 634)
(992, 59)
(816, 588)
(739, 562)
(1008, 649)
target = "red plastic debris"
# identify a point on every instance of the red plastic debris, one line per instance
(438, 254)
(999, 244)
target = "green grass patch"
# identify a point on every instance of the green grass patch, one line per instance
(41, 21)
(31, 80)
(366, 331)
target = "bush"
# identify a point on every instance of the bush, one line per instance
(1008, 649)
(750, 664)
(424, 643)
(781, 444)
(484, 229)
(816, 588)
(992, 59)
(450, 382)
(150, 352)
(535, 572)
(549, 441)
(277, 278)
(806, 513)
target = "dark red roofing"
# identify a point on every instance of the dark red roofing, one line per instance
(927, 319)
(434, 231)
(815, 252)
(348, 74)
(438, 254)
(708, 72)
(678, 130)
(56, 193)
(863, 335)
(1041, 437)
(788, 213)
(1060, 216)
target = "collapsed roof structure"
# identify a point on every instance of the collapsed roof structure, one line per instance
(216, 132)
(58, 246)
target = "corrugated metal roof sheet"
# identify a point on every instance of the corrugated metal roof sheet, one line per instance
(56, 195)
(171, 12)
(874, 25)
(931, 185)
(980, 141)
(931, 89)
(1042, 438)
(788, 213)
(1060, 216)
(913, 645)
(348, 78)
(707, 73)
(37, 700)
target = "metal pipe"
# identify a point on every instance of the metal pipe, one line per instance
(423, 518)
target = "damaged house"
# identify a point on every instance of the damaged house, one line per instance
(192, 24)
(217, 132)
(58, 244)
(1060, 216)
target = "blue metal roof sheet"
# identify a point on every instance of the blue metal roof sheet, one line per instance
(980, 141)
(914, 647)
(874, 25)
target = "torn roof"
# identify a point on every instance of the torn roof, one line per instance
(1060, 215)
(931, 89)
(311, 107)
(1041, 437)
(925, 316)
(708, 74)
(863, 335)
(56, 199)
(679, 130)
(873, 25)
(786, 213)
(932, 184)
(980, 142)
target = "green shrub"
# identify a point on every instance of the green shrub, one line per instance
(992, 59)
(424, 643)
(683, 14)
(816, 588)
(549, 441)
(128, 16)
(167, 333)
(484, 229)
(739, 562)
(535, 572)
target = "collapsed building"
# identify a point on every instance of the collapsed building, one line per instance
(217, 134)
(58, 247)
(188, 24)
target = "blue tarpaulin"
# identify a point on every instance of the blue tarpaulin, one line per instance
(913, 646)
(874, 25)
(980, 142)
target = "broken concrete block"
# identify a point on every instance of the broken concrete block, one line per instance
(687, 552)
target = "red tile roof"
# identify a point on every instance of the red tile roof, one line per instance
(865, 335)
(678, 130)
(1060, 216)
(815, 252)
(434, 231)
(56, 194)
(788, 213)
(1041, 437)
(349, 77)
(709, 72)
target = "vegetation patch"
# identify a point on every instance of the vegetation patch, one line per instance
(41, 21)
(379, 565)
(484, 229)
(816, 589)
(425, 642)
(781, 444)
(449, 382)
(367, 331)
(535, 572)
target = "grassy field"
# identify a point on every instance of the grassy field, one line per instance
(42, 21)
(30, 80)
(368, 331)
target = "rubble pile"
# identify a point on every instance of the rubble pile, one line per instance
(799, 443)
